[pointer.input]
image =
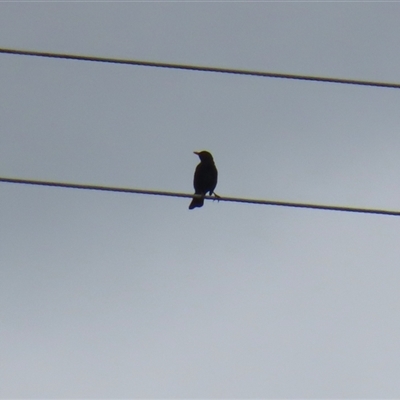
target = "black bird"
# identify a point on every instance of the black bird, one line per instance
(205, 179)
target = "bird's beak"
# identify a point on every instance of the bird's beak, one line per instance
(196, 152)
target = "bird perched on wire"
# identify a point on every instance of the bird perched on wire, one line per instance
(205, 179)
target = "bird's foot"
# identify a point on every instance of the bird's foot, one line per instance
(216, 196)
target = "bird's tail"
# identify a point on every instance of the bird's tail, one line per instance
(197, 201)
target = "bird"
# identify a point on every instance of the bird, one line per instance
(205, 179)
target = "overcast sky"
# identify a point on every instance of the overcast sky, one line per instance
(107, 295)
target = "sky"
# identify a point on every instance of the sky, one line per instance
(112, 295)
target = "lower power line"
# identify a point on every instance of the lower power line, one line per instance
(189, 195)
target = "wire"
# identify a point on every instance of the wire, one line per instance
(200, 68)
(186, 195)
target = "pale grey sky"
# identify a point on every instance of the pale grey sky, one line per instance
(106, 295)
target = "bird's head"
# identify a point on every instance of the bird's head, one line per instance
(204, 155)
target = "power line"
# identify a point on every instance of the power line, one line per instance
(189, 195)
(200, 68)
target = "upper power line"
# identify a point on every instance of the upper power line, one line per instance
(200, 68)
(186, 195)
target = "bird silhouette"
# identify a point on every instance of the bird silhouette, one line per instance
(205, 179)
